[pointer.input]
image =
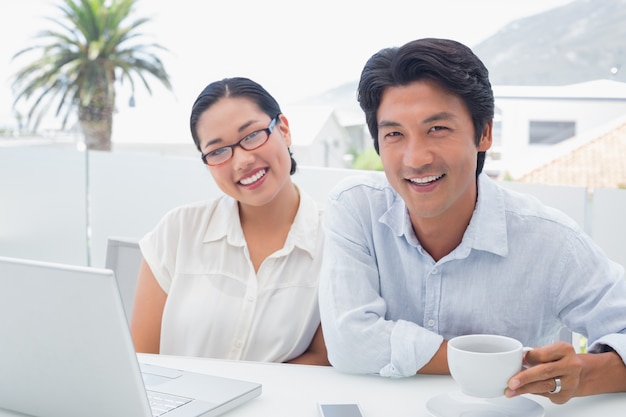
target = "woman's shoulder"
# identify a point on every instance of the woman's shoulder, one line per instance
(200, 211)
(308, 202)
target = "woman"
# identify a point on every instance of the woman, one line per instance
(236, 278)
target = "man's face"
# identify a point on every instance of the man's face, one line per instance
(428, 150)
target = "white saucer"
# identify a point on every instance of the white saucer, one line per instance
(457, 404)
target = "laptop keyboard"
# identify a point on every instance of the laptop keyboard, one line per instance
(161, 403)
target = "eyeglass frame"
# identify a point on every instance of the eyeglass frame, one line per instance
(269, 129)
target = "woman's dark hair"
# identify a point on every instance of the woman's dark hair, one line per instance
(234, 87)
(449, 63)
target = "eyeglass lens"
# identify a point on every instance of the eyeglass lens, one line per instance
(250, 142)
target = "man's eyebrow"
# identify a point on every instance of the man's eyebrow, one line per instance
(388, 123)
(430, 119)
(439, 116)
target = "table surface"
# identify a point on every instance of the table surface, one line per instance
(295, 390)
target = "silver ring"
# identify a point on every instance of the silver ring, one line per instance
(557, 386)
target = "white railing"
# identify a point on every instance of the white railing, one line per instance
(61, 205)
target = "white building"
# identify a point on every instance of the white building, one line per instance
(531, 118)
(318, 138)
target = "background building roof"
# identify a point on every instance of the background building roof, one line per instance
(600, 162)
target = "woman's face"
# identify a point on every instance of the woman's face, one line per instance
(252, 177)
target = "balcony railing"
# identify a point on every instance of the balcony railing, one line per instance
(61, 205)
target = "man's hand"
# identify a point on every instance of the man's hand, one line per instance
(554, 371)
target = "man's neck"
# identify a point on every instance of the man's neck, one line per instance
(440, 235)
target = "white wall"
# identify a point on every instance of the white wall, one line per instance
(331, 143)
(608, 222)
(130, 192)
(517, 113)
(43, 203)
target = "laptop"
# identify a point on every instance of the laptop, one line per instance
(123, 257)
(66, 350)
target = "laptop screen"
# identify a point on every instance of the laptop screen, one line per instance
(66, 349)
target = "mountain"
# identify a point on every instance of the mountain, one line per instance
(580, 41)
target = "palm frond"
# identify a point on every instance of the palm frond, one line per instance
(78, 62)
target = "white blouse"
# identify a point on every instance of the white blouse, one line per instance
(217, 306)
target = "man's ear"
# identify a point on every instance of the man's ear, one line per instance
(486, 139)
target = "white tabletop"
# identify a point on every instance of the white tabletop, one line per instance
(294, 390)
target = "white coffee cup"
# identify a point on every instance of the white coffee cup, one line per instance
(482, 364)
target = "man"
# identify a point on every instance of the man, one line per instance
(437, 249)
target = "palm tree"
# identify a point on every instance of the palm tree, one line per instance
(78, 65)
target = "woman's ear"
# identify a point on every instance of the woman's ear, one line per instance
(284, 129)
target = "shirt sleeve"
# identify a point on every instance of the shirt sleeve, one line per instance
(359, 338)
(158, 248)
(592, 296)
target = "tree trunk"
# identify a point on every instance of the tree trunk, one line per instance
(96, 125)
(96, 121)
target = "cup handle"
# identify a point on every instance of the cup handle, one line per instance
(525, 350)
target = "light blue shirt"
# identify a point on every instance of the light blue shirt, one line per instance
(522, 270)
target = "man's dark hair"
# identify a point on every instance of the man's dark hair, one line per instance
(449, 63)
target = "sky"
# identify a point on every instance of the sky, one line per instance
(295, 49)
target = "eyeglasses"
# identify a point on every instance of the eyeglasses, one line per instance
(250, 142)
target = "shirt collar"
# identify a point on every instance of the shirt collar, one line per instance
(303, 234)
(305, 230)
(397, 215)
(486, 231)
(225, 223)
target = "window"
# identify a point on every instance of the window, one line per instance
(550, 132)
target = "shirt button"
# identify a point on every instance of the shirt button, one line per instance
(435, 271)
(431, 323)
(238, 344)
(250, 298)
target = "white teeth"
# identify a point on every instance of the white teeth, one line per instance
(254, 178)
(425, 180)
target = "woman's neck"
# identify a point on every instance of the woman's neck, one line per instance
(280, 211)
(266, 228)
